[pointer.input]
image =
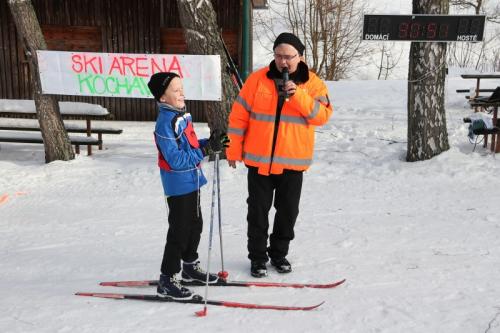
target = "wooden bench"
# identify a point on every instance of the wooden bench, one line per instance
(495, 137)
(477, 89)
(468, 90)
(33, 126)
(480, 91)
(77, 141)
(85, 111)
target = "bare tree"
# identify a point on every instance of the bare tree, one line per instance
(55, 138)
(494, 16)
(480, 56)
(199, 22)
(328, 28)
(464, 4)
(387, 62)
(427, 134)
(496, 61)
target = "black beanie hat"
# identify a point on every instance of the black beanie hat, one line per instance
(159, 82)
(289, 38)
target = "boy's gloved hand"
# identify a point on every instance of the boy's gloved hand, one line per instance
(216, 143)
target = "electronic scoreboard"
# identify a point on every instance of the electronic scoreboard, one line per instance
(424, 28)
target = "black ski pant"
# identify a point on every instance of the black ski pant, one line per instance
(184, 232)
(286, 189)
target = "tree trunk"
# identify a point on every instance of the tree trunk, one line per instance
(201, 31)
(427, 134)
(55, 138)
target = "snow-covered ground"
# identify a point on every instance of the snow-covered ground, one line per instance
(417, 242)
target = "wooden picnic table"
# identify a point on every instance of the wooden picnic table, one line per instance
(87, 111)
(478, 78)
(495, 138)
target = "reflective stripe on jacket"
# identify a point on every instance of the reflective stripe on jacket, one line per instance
(252, 121)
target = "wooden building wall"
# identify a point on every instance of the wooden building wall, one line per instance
(125, 26)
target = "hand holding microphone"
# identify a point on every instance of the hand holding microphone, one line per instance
(286, 78)
(289, 87)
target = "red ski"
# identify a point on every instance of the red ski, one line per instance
(199, 300)
(227, 283)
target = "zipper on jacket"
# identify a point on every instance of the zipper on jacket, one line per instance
(279, 106)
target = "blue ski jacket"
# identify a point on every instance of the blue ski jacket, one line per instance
(179, 151)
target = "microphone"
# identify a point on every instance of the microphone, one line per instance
(284, 72)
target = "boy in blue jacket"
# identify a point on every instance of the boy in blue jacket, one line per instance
(179, 156)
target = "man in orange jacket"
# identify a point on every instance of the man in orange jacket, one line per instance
(271, 130)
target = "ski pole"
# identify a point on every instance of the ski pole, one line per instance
(222, 274)
(203, 312)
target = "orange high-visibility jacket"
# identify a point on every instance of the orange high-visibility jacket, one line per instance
(252, 121)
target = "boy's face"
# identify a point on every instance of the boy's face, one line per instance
(174, 94)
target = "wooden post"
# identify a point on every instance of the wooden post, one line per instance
(99, 137)
(89, 147)
(495, 138)
(477, 109)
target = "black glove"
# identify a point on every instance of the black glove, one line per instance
(217, 141)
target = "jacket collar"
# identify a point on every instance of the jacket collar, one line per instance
(301, 75)
(170, 108)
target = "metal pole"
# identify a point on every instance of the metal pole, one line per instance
(222, 274)
(203, 312)
(245, 39)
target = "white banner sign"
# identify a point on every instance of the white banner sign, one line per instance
(126, 75)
